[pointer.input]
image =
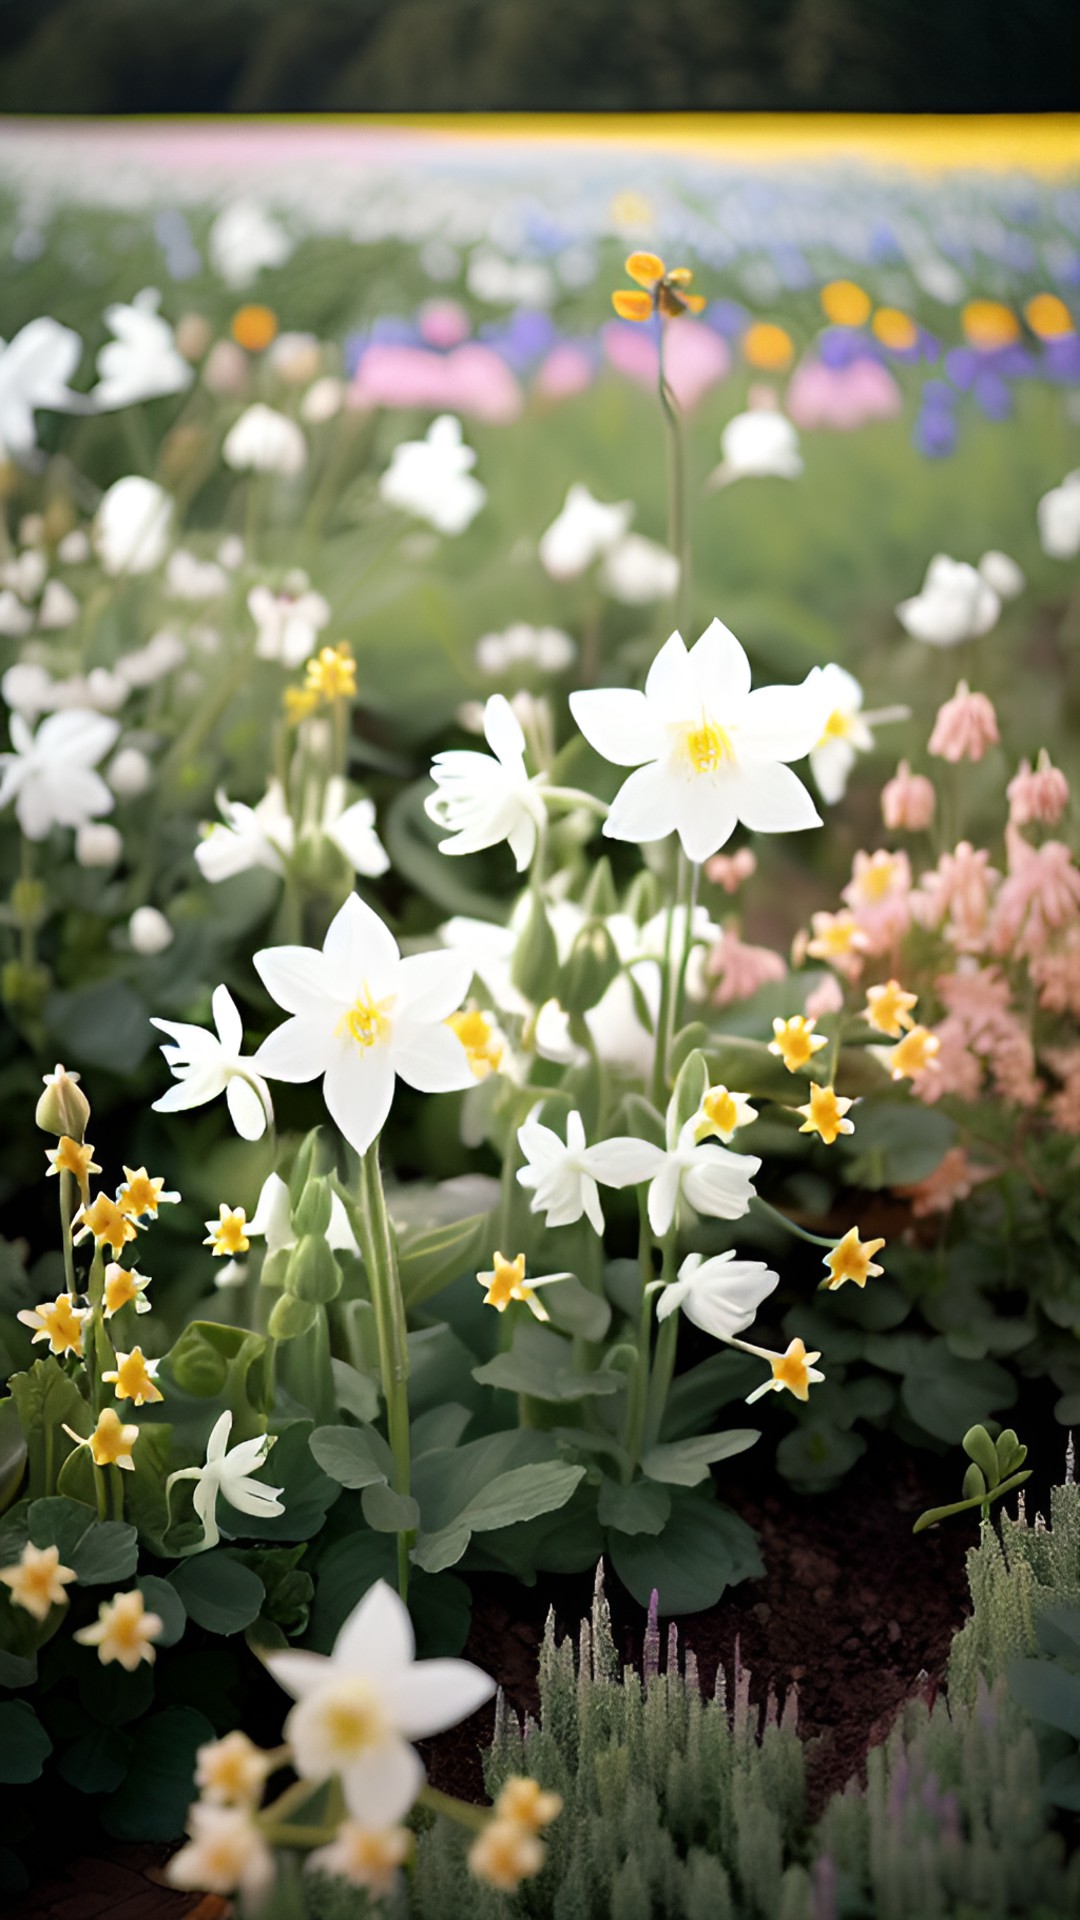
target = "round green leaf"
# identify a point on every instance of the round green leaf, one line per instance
(218, 1592)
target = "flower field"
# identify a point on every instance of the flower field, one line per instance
(540, 939)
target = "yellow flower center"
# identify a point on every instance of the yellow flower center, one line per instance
(70, 1157)
(888, 1008)
(63, 1323)
(108, 1223)
(133, 1380)
(127, 1629)
(332, 673)
(851, 1259)
(719, 1113)
(367, 1021)
(353, 1720)
(120, 1287)
(838, 726)
(876, 879)
(477, 1037)
(707, 747)
(229, 1235)
(914, 1053)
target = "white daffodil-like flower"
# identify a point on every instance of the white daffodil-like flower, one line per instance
(433, 479)
(956, 604)
(761, 442)
(225, 1854)
(264, 441)
(846, 733)
(35, 368)
(142, 361)
(637, 570)
(59, 608)
(246, 837)
(698, 1174)
(15, 619)
(206, 1064)
(1001, 572)
(582, 532)
(352, 830)
(289, 624)
(229, 1473)
(25, 575)
(562, 1176)
(361, 1015)
(358, 1708)
(243, 240)
(132, 526)
(714, 752)
(548, 649)
(481, 800)
(1058, 514)
(50, 774)
(149, 931)
(720, 1295)
(272, 1218)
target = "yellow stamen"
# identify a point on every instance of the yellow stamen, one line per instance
(707, 747)
(367, 1021)
(478, 1037)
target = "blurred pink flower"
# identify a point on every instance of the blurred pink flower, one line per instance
(739, 970)
(1037, 796)
(1065, 1104)
(470, 379)
(841, 397)
(1057, 976)
(966, 725)
(443, 323)
(954, 1179)
(878, 894)
(567, 370)
(959, 889)
(827, 997)
(957, 1069)
(729, 870)
(907, 801)
(695, 358)
(1040, 896)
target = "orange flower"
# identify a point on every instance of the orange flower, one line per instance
(767, 346)
(254, 327)
(1049, 317)
(664, 290)
(989, 325)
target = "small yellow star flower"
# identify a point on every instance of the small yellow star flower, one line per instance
(796, 1042)
(37, 1580)
(299, 703)
(140, 1194)
(123, 1285)
(836, 936)
(507, 1282)
(505, 1854)
(332, 673)
(69, 1157)
(365, 1856)
(480, 1038)
(793, 1369)
(123, 1631)
(58, 1321)
(524, 1800)
(888, 1008)
(108, 1223)
(111, 1442)
(852, 1259)
(721, 1114)
(664, 290)
(226, 1234)
(232, 1771)
(133, 1378)
(916, 1054)
(824, 1115)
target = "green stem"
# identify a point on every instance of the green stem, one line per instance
(678, 531)
(782, 1219)
(689, 880)
(66, 1211)
(659, 1075)
(380, 1259)
(283, 1836)
(574, 797)
(634, 1432)
(460, 1810)
(664, 1361)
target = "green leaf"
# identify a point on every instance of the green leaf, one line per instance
(697, 1395)
(153, 1801)
(638, 1508)
(97, 1762)
(689, 1091)
(896, 1143)
(747, 1066)
(1058, 1630)
(509, 1498)
(47, 1401)
(701, 1551)
(429, 1261)
(387, 1511)
(440, 1427)
(343, 1574)
(307, 1491)
(162, 1598)
(815, 1454)
(946, 1396)
(574, 1308)
(354, 1392)
(683, 1463)
(540, 1362)
(218, 1591)
(99, 1552)
(353, 1456)
(104, 1025)
(211, 1361)
(1048, 1692)
(12, 1453)
(24, 1744)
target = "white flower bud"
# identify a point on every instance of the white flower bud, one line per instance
(130, 773)
(97, 844)
(149, 931)
(322, 400)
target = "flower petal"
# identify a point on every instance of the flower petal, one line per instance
(298, 1050)
(230, 1027)
(358, 1090)
(645, 807)
(435, 1694)
(377, 1636)
(381, 1786)
(297, 1672)
(774, 800)
(430, 1057)
(721, 670)
(502, 730)
(618, 724)
(296, 977)
(246, 1109)
(432, 985)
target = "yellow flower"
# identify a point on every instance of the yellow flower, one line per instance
(122, 1285)
(825, 1115)
(721, 1114)
(232, 1771)
(836, 936)
(133, 1378)
(1049, 317)
(845, 304)
(226, 1234)
(69, 1157)
(767, 346)
(37, 1580)
(852, 1259)
(58, 1321)
(300, 703)
(888, 1008)
(480, 1038)
(123, 1631)
(663, 290)
(988, 325)
(365, 1856)
(895, 330)
(505, 1854)
(794, 1370)
(254, 328)
(915, 1054)
(111, 1442)
(109, 1224)
(796, 1042)
(332, 673)
(140, 1194)
(507, 1282)
(524, 1800)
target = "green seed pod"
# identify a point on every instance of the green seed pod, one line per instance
(589, 971)
(536, 958)
(313, 1273)
(311, 1213)
(979, 1447)
(600, 897)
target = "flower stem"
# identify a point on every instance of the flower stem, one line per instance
(460, 1810)
(664, 1359)
(380, 1259)
(678, 530)
(783, 1220)
(65, 1230)
(634, 1433)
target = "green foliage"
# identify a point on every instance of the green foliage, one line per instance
(994, 1472)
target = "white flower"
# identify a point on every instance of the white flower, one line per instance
(26, 573)
(272, 1219)
(144, 666)
(132, 525)
(15, 619)
(142, 361)
(149, 932)
(34, 370)
(74, 548)
(481, 800)
(582, 532)
(1001, 573)
(97, 844)
(760, 442)
(129, 773)
(50, 775)
(59, 607)
(259, 836)
(206, 1064)
(720, 1295)
(705, 1177)
(358, 1708)
(352, 830)
(189, 578)
(846, 733)
(956, 604)
(637, 570)
(1058, 515)
(289, 624)
(562, 1177)
(26, 688)
(294, 357)
(715, 752)
(323, 399)
(432, 478)
(225, 1854)
(230, 1474)
(243, 240)
(548, 648)
(361, 1016)
(363, 1856)
(264, 441)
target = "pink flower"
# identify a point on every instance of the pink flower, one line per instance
(959, 889)
(470, 379)
(729, 870)
(828, 997)
(907, 801)
(695, 358)
(1038, 797)
(966, 725)
(568, 369)
(739, 970)
(954, 1179)
(957, 1070)
(443, 323)
(1040, 896)
(878, 894)
(1057, 976)
(1065, 1104)
(841, 397)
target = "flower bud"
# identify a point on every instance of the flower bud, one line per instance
(97, 844)
(130, 773)
(312, 1273)
(149, 931)
(63, 1107)
(311, 1214)
(23, 989)
(590, 969)
(291, 1317)
(536, 956)
(907, 801)
(600, 897)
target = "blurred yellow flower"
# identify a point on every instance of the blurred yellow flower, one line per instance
(254, 327)
(845, 304)
(663, 290)
(36, 1581)
(988, 325)
(767, 346)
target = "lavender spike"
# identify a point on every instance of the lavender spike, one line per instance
(650, 1653)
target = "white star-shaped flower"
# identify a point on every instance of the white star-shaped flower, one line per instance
(229, 1473)
(956, 604)
(481, 799)
(51, 775)
(720, 1295)
(141, 361)
(432, 478)
(206, 1064)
